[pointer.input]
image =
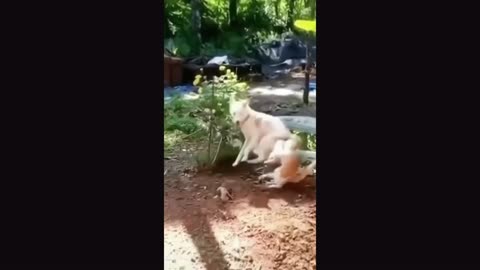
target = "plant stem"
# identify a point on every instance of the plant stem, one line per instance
(210, 131)
(218, 150)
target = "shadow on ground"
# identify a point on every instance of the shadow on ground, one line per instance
(191, 201)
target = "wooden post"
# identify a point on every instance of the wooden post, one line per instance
(306, 91)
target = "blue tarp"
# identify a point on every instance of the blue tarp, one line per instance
(169, 92)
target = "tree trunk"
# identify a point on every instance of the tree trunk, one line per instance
(276, 5)
(290, 14)
(313, 9)
(232, 8)
(197, 18)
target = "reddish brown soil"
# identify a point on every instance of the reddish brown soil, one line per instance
(258, 229)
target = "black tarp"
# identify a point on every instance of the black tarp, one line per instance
(270, 59)
(241, 66)
(280, 57)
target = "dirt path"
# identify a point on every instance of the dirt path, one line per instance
(258, 229)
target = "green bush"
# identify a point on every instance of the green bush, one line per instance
(206, 119)
(255, 21)
(216, 97)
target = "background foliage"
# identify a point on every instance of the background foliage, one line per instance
(211, 27)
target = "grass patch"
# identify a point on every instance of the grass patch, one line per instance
(181, 125)
(171, 140)
(185, 124)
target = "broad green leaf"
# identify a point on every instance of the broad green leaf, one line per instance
(309, 26)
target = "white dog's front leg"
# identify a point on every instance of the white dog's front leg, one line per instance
(249, 147)
(240, 154)
(272, 160)
(256, 160)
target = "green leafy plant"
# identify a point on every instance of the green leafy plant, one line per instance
(206, 120)
(216, 97)
(254, 21)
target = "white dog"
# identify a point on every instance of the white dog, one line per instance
(261, 131)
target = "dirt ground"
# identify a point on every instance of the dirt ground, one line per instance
(258, 229)
(282, 97)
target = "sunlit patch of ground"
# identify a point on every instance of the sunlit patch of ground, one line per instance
(258, 229)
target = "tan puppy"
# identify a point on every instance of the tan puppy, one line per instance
(290, 170)
(261, 131)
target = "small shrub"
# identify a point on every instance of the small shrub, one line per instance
(215, 100)
(206, 119)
